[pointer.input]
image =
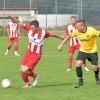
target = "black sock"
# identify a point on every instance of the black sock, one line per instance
(97, 72)
(79, 73)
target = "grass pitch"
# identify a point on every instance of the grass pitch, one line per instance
(54, 83)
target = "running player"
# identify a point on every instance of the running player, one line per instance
(88, 50)
(12, 32)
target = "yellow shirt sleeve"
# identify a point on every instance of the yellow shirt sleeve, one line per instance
(96, 33)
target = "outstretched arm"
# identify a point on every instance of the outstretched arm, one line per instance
(56, 36)
(63, 42)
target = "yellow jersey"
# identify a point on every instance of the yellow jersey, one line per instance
(88, 39)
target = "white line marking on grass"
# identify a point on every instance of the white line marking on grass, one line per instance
(44, 55)
(54, 55)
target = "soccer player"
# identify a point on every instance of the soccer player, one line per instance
(88, 50)
(74, 44)
(36, 36)
(12, 32)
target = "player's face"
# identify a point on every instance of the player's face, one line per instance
(13, 20)
(80, 26)
(33, 28)
(73, 21)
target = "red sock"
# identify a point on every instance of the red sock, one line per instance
(25, 78)
(16, 48)
(70, 63)
(30, 73)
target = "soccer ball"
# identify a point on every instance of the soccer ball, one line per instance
(6, 83)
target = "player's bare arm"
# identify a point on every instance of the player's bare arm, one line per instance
(56, 36)
(63, 42)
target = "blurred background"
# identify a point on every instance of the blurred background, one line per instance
(50, 13)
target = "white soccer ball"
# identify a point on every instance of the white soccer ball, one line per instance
(6, 83)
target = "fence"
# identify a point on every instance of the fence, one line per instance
(51, 13)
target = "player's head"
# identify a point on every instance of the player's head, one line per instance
(34, 25)
(81, 25)
(14, 19)
(73, 19)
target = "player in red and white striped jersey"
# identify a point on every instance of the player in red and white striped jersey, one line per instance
(12, 31)
(74, 43)
(36, 37)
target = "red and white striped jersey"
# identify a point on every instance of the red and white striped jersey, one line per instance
(36, 40)
(12, 29)
(73, 41)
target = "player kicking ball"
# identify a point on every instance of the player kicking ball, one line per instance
(36, 37)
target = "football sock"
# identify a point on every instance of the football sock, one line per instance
(16, 48)
(70, 63)
(79, 73)
(25, 78)
(96, 72)
(30, 73)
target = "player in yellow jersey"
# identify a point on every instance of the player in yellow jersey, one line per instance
(88, 49)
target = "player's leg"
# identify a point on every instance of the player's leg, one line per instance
(80, 59)
(85, 66)
(71, 51)
(25, 72)
(32, 64)
(29, 61)
(94, 60)
(16, 47)
(96, 71)
(25, 76)
(9, 46)
(70, 59)
(24, 69)
(79, 73)
(84, 63)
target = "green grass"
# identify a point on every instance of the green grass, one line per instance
(54, 83)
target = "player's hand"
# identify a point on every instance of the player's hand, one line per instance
(59, 48)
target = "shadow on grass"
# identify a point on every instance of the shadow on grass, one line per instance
(54, 85)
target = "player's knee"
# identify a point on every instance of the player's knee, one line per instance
(24, 69)
(78, 63)
(95, 67)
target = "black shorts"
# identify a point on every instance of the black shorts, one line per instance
(92, 57)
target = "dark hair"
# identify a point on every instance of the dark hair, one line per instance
(73, 17)
(80, 20)
(16, 17)
(35, 23)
